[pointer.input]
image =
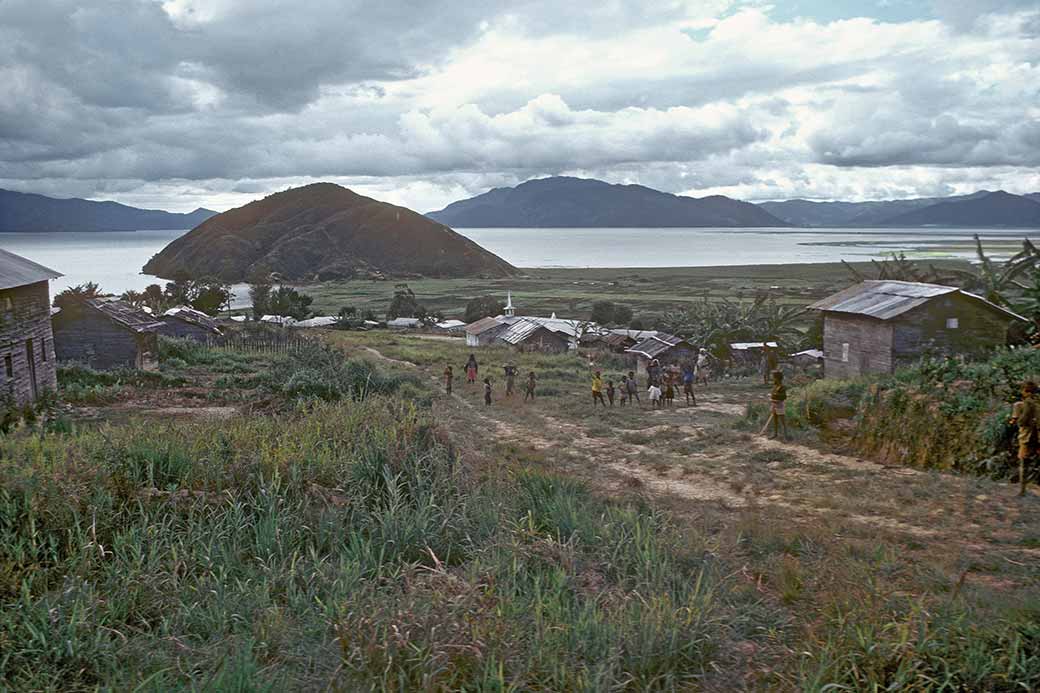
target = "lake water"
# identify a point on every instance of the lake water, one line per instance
(114, 259)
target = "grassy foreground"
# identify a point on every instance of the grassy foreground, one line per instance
(363, 532)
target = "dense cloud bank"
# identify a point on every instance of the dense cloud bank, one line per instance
(190, 103)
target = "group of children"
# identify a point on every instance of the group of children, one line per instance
(627, 391)
(472, 369)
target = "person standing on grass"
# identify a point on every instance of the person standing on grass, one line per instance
(687, 385)
(623, 391)
(654, 394)
(777, 407)
(530, 387)
(1026, 415)
(510, 379)
(597, 389)
(487, 392)
(633, 387)
(449, 376)
(669, 390)
(610, 392)
(471, 369)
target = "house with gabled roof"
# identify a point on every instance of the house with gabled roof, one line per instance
(666, 348)
(107, 334)
(185, 322)
(26, 339)
(876, 326)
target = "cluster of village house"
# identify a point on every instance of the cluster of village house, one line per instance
(871, 327)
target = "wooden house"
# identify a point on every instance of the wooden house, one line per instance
(668, 349)
(26, 339)
(876, 326)
(483, 331)
(529, 335)
(189, 323)
(107, 334)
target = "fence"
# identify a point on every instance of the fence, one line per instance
(271, 343)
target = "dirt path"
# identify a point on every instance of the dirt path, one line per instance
(693, 462)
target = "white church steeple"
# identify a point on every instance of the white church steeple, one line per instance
(510, 310)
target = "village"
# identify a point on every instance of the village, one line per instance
(793, 466)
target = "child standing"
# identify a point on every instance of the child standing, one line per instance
(597, 389)
(1026, 415)
(487, 392)
(530, 387)
(654, 394)
(687, 385)
(610, 392)
(633, 387)
(449, 377)
(623, 391)
(471, 370)
(777, 406)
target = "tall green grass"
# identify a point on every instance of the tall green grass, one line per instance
(336, 544)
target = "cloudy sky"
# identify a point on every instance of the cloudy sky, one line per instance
(188, 103)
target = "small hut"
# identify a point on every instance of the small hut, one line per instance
(107, 334)
(26, 339)
(529, 335)
(189, 323)
(668, 349)
(403, 324)
(875, 326)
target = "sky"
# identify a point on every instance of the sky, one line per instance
(178, 104)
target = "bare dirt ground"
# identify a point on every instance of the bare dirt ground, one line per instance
(959, 532)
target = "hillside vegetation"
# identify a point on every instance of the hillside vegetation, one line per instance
(319, 232)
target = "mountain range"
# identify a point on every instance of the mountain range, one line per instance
(32, 212)
(980, 209)
(581, 202)
(320, 232)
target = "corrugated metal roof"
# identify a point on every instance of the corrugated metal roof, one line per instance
(481, 326)
(519, 331)
(656, 345)
(194, 317)
(744, 346)
(16, 270)
(125, 314)
(884, 300)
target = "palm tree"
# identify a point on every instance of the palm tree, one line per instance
(997, 281)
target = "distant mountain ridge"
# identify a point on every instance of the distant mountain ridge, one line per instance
(322, 232)
(567, 202)
(32, 212)
(979, 209)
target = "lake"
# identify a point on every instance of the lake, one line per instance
(114, 259)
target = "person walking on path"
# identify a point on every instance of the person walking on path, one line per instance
(597, 389)
(770, 362)
(1026, 415)
(530, 387)
(611, 390)
(449, 377)
(688, 377)
(633, 388)
(777, 407)
(487, 392)
(471, 370)
(510, 379)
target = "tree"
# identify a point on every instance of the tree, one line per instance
(998, 281)
(610, 313)
(404, 304)
(260, 287)
(76, 295)
(288, 302)
(134, 298)
(155, 299)
(211, 298)
(483, 307)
